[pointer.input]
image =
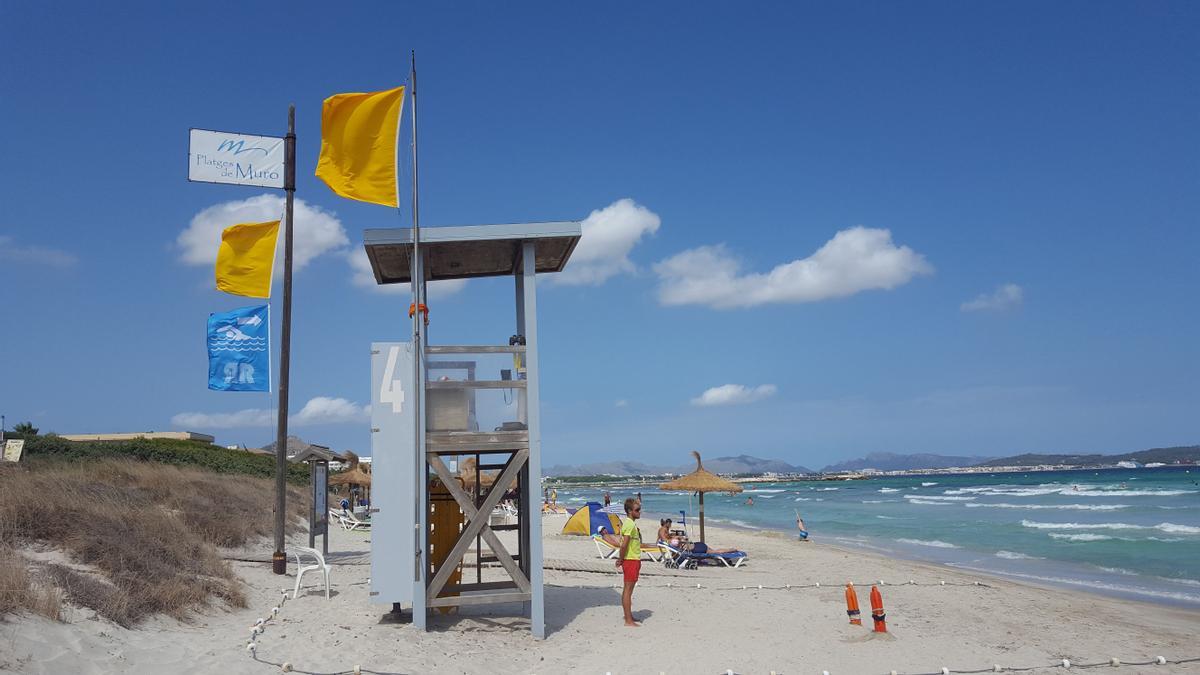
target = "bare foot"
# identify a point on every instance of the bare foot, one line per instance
(633, 624)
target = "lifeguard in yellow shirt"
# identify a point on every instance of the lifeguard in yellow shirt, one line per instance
(630, 559)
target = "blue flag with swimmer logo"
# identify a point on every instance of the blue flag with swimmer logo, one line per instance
(239, 349)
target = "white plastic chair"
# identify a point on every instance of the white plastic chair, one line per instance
(301, 568)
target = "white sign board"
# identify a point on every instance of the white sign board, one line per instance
(237, 159)
(13, 449)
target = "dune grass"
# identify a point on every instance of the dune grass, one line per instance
(21, 591)
(142, 537)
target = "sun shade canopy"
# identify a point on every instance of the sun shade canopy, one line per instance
(701, 480)
(463, 252)
(353, 476)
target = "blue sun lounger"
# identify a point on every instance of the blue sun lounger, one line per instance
(679, 558)
(731, 559)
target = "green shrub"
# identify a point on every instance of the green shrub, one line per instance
(164, 451)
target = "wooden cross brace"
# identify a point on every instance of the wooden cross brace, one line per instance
(478, 522)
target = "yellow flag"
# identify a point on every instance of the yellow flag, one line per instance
(358, 145)
(246, 258)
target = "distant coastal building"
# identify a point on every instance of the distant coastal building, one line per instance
(168, 435)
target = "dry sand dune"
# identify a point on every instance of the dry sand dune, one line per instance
(686, 630)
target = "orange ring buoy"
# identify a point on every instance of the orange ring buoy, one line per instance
(413, 309)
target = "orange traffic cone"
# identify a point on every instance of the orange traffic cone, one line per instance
(852, 605)
(877, 611)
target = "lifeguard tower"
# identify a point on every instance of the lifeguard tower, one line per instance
(456, 429)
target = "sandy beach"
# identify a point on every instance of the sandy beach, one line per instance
(713, 628)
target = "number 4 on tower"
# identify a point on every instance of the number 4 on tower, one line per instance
(392, 391)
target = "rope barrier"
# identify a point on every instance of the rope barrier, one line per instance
(260, 627)
(785, 587)
(1065, 664)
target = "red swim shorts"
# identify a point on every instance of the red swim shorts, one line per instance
(632, 569)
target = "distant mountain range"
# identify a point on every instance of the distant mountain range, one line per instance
(883, 461)
(890, 461)
(1184, 453)
(746, 464)
(606, 469)
(726, 465)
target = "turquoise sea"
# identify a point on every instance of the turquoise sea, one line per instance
(1125, 532)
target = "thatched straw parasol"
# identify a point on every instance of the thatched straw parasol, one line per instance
(701, 481)
(352, 476)
(466, 475)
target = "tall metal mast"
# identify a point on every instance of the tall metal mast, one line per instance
(416, 277)
(278, 558)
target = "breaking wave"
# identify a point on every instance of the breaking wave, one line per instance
(1067, 507)
(1059, 488)
(1011, 555)
(935, 543)
(1170, 528)
(1080, 537)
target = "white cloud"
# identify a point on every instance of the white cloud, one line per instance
(734, 394)
(326, 410)
(249, 417)
(318, 410)
(609, 234)
(854, 260)
(33, 254)
(362, 276)
(315, 231)
(1006, 296)
(622, 403)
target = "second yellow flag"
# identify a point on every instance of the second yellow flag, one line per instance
(358, 145)
(246, 259)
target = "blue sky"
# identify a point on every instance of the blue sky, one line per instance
(917, 227)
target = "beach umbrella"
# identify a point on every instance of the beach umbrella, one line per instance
(466, 476)
(352, 476)
(701, 481)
